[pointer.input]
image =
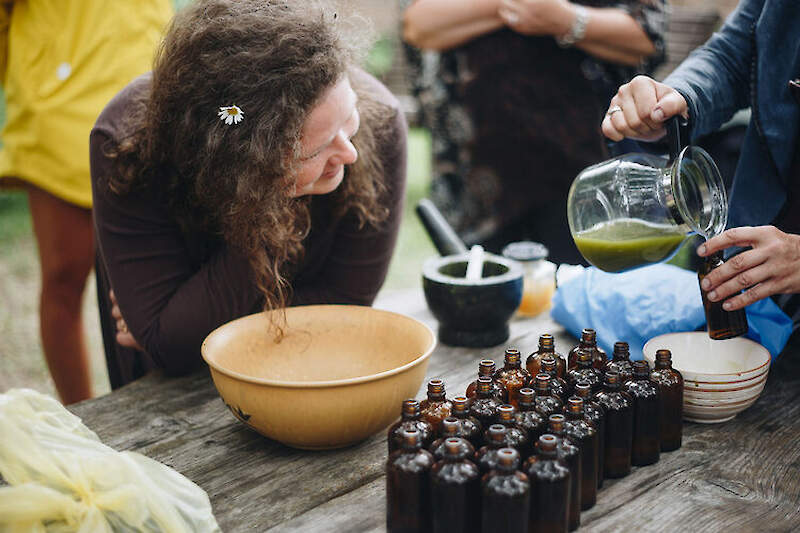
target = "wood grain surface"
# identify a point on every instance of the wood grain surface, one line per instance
(742, 475)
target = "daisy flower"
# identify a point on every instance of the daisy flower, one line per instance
(231, 114)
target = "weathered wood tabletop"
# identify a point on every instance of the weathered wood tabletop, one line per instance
(742, 475)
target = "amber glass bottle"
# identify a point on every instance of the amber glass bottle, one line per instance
(549, 479)
(512, 376)
(505, 496)
(486, 456)
(547, 403)
(436, 407)
(529, 419)
(469, 427)
(408, 484)
(588, 342)
(646, 445)
(455, 491)
(621, 361)
(619, 426)
(582, 432)
(516, 437)
(584, 371)
(409, 418)
(484, 404)
(595, 413)
(670, 410)
(569, 453)
(486, 368)
(450, 427)
(722, 324)
(558, 386)
(547, 346)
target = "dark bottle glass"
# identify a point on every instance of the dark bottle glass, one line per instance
(722, 324)
(670, 410)
(486, 456)
(469, 427)
(408, 485)
(512, 376)
(569, 453)
(547, 403)
(582, 432)
(450, 428)
(619, 426)
(455, 491)
(516, 437)
(595, 413)
(436, 407)
(646, 444)
(529, 419)
(588, 342)
(505, 496)
(558, 386)
(549, 479)
(584, 371)
(484, 404)
(547, 346)
(409, 418)
(486, 368)
(621, 361)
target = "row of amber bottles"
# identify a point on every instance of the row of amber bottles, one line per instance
(454, 494)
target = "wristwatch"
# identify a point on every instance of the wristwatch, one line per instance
(578, 29)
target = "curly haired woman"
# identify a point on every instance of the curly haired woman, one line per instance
(256, 168)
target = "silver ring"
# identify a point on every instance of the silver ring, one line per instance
(512, 18)
(613, 109)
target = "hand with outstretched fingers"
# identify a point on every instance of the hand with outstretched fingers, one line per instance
(770, 266)
(640, 108)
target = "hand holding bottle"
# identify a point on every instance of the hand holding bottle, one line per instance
(640, 108)
(769, 267)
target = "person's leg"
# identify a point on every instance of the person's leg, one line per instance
(66, 252)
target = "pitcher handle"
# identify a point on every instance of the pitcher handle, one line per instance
(673, 126)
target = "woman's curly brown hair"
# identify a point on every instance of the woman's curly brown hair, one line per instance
(274, 59)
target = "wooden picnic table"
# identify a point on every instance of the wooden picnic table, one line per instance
(741, 475)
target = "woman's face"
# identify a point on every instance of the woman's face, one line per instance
(325, 146)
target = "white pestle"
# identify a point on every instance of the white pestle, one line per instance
(475, 263)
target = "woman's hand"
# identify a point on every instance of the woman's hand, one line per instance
(124, 337)
(772, 266)
(639, 109)
(537, 17)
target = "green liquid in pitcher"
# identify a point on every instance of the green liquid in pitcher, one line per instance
(627, 243)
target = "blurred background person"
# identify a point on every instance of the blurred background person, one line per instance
(61, 61)
(514, 100)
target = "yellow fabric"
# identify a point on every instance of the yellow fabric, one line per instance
(63, 61)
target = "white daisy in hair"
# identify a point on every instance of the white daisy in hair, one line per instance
(231, 114)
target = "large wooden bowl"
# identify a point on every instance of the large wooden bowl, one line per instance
(339, 374)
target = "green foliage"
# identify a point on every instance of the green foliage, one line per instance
(380, 57)
(15, 222)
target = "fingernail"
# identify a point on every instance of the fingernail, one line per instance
(727, 306)
(658, 114)
(712, 295)
(705, 284)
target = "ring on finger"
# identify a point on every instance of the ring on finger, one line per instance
(613, 109)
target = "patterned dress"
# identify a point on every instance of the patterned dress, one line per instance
(513, 119)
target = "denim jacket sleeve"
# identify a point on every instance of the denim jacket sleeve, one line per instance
(716, 78)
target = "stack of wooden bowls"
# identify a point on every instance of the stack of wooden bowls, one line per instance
(721, 378)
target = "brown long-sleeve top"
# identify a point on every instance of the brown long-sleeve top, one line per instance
(175, 287)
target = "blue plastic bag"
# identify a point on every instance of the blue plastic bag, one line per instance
(640, 304)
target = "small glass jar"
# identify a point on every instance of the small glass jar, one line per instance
(539, 276)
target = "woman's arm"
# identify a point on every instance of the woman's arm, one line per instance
(444, 24)
(168, 304)
(611, 34)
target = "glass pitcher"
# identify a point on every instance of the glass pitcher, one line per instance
(638, 209)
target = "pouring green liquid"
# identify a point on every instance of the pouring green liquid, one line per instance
(626, 243)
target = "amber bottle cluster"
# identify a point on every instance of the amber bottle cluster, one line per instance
(527, 447)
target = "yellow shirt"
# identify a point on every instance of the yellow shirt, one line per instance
(61, 61)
